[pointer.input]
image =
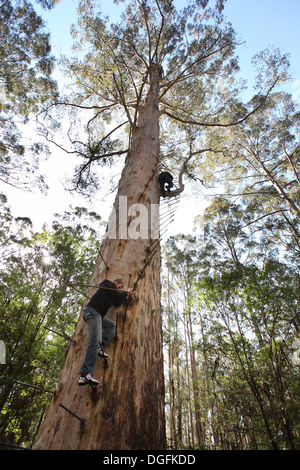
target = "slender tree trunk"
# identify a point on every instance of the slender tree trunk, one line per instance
(179, 390)
(189, 434)
(171, 356)
(291, 203)
(195, 382)
(127, 410)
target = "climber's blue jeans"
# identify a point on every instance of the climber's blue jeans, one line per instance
(101, 330)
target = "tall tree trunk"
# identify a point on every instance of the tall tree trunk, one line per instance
(195, 383)
(171, 359)
(189, 387)
(127, 410)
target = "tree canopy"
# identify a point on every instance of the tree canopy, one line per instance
(39, 309)
(193, 50)
(25, 88)
(230, 291)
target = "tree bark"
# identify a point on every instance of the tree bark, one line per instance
(126, 411)
(195, 384)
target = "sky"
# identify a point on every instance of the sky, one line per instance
(259, 23)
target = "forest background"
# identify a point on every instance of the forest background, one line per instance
(230, 288)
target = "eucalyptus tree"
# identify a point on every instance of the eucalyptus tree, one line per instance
(258, 161)
(251, 324)
(246, 321)
(38, 311)
(26, 65)
(183, 267)
(156, 67)
(230, 239)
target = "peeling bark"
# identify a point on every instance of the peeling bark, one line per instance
(127, 410)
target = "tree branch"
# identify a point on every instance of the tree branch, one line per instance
(210, 124)
(122, 98)
(180, 189)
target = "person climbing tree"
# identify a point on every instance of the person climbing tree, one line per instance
(166, 182)
(101, 329)
(120, 86)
